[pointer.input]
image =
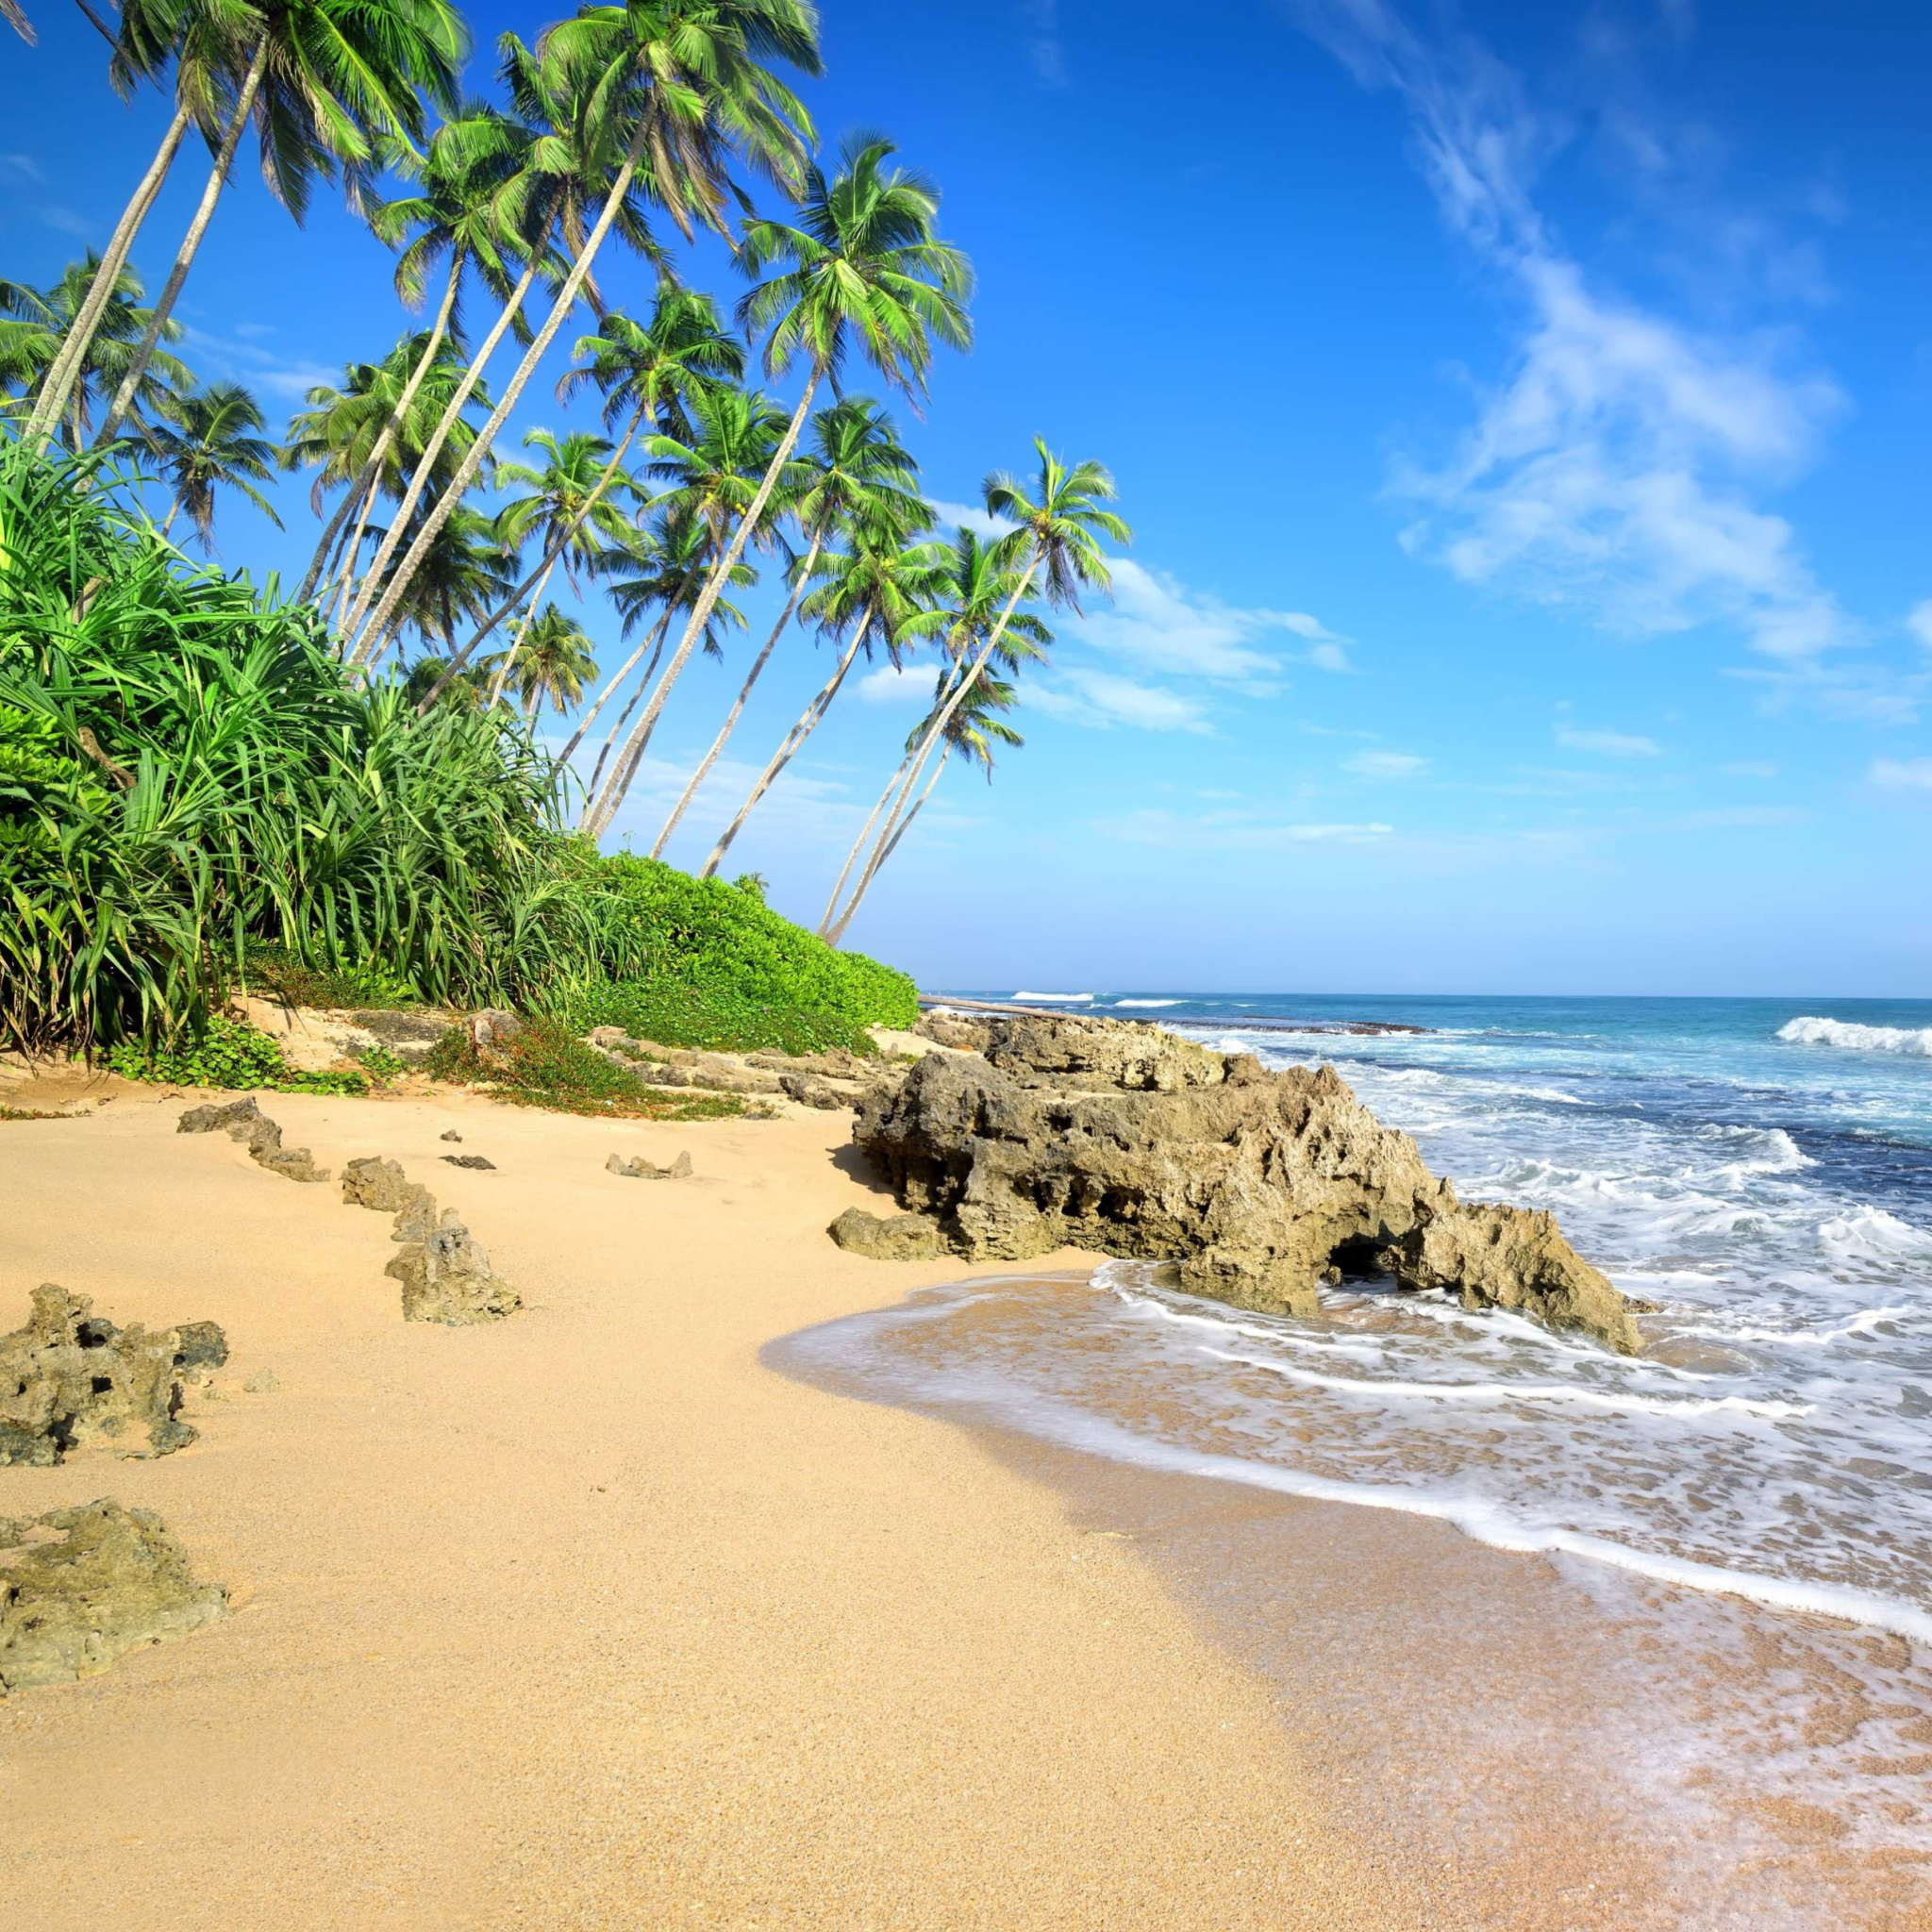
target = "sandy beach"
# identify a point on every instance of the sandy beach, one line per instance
(586, 1617)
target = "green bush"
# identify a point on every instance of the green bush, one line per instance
(226, 1054)
(547, 1065)
(726, 972)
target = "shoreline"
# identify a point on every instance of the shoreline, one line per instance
(586, 1617)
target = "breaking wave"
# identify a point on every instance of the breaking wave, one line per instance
(1848, 1036)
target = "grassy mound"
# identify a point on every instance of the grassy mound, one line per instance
(726, 972)
(547, 1065)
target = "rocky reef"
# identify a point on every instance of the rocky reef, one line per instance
(81, 1587)
(1109, 1135)
(243, 1121)
(69, 1380)
(444, 1270)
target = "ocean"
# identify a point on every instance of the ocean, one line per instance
(1762, 1170)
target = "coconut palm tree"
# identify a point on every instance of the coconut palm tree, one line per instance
(550, 663)
(326, 81)
(681, 82)
(979, 584)
(464, 572)
(971, 728)
(1058, 522)
(205, 438)
(864, 263)
(650, 373)
(193, 35)
(458, 211)
(854, 470)
(38, 327)
(427, 675)
(879, 593)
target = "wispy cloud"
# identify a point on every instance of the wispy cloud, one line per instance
(239, 358)
(1613, 468)
(18, 167)
(1920, 622)
(1902, 774)
(1610, 744)
(1100, 699)
(1044, 47)
(1749, 768)
(1228, 832)
(1386, 764)
(897, 684)
(1162, 626)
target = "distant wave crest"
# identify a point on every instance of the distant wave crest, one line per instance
(1849, 1036)
(1150, 1003)
(1072, 998)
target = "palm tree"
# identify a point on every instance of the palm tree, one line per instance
(979, 585)
(41, 329)
(1056, 538)
(866, 264)
(881, 592)
(207, 437)
(568, 506)
(651, 372)
(338, 434)
(327, 80)
(193, 34)
(463, 573)
(427, 675)
(855, 470)
(550, 662)
(683, 80)
(458, 210)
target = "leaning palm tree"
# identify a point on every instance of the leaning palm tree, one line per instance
(37, 329)
(864, 263)
(971, 728)
(880, 593)
(1056, 536)
(194, 35)
(550, 663)
(327, 81)
(854, 471)
(456, 211)
(206, 437)
(680, 83)
(979, 585)
(465, 573)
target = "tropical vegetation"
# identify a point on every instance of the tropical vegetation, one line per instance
(403, 769)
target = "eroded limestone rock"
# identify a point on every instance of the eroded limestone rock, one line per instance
(638, 1169)
(243, 1121)
(1255, 1184)
(381, 1185)
(83, 1585)
(482, 1162)
(888, 1237)
(69, 1380)
(809, 1090)
(447, 1277)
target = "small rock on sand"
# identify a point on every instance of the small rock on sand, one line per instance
(889, 1237)
(476, 1160)
(452, 1134)
(638, 1169)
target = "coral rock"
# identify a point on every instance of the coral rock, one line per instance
(888, 1238)
(638, 1169)
(810, 1091)
(81, 1587)
(447, 1277)
(481, 1161)
(68, 1380)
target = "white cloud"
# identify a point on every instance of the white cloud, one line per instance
(1902, 774)
(969, 517)
(904, 684)
(1920, 622)
(1164, 625)
(1610, 745)
(1386, 764)
(1044, 47)
(1228, 832)
(1612, 468)
(1100, 699)
(289, 377)
(19, 167)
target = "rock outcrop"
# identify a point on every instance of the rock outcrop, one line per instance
(447, 1277)
(81, 1587)
(69, 1380)
(888, 1237)
(638, 1169)
(243, 1121)
(808, 1090)
(1258, 1186)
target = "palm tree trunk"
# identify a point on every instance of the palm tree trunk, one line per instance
(168, 521)
(832, 938)
(333, 537)
(637, 697)
(73, 356)
(611, 688)
(540, 575)
(515, 644)
(807, 722)
(731, 717)
(426, 465)
(603, 809)
(184, 260)
(941, 720)
(371, 469)
(566, 300)
(872, 818)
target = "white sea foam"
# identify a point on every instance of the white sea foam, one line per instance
(1861, 1324)
(1150, 1003)
(1071, 998)
(1848, 1036)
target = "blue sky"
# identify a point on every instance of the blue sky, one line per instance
(1521, 410)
